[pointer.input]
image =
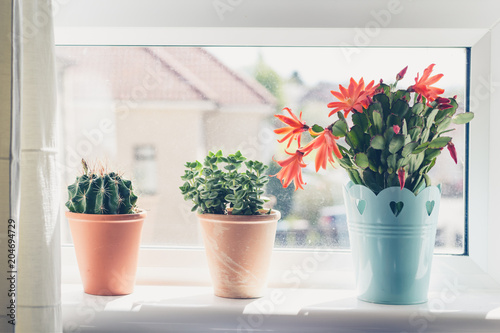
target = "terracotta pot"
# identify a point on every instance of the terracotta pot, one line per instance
(107, 247)
(239, 249)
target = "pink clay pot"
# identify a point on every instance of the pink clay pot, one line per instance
(107, 247)
(238, 249)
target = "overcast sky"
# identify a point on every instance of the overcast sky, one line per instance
(336, 64)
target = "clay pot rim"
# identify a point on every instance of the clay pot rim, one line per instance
(107, 217)
(239, 219)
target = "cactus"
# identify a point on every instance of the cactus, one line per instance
(394, 143)
(391, 142)
(99, 192)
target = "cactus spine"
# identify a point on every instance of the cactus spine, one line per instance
(99, 192)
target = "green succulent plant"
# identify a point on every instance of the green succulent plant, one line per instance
(100, 192)
(217, 184)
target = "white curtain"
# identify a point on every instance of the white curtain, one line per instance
(28, 185)
(10, 114)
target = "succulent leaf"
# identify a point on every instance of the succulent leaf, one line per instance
(396, 143)
(378, 142)
(361, 160)
(463, 118)
(400, 108)
(440, 142)
(361, 120)
(339, 128)
(378, 122)
(409, 148)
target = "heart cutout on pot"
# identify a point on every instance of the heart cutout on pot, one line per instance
(361, 205)
(429, 205)
(396, 207)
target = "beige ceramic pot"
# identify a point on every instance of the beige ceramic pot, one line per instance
(107, 247)
(239, 249)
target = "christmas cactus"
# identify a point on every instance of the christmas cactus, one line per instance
(393, 136)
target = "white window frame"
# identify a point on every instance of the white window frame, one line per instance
(424, 23)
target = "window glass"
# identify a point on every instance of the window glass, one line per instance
(148, 110)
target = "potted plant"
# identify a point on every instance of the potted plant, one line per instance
(106, 228)
(393, 139)
(238, 232)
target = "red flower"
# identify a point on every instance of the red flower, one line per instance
(326, 146)
(295, 128)
(401, 74)
(401, 177)
(356, 97)
(423, 85)
(396, 129)
(291, 169)
(453, 151)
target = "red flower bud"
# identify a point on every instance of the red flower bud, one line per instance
(444, 106)
(419, 98)
(455, 97)
(402, 177)
(401, 74)
(442, 100)
(396, 128)
(453, 151)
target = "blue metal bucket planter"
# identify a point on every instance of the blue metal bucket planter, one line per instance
(392, 237)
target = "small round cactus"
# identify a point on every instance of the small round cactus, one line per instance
(99, 192)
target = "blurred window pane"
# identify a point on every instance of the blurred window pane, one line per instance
(148, 110)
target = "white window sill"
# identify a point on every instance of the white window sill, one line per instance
(195, 309)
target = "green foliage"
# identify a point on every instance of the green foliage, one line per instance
(99, 192)
(217, 184)
(375, 152)
(271, 80)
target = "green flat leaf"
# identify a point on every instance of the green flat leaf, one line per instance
(354, 176)
(391, 161)
(400, 93)
(377, 121)
(345, 163)
(400, 108)
(393, 120)
(355, 137)
(371, 181)
(318, 129)
(361, 120)
(440, 142)
(396, 143)
(443, 125)
(409, 148)
(432, 153)
(463, 118)
(420, 148)
(383, 99)
(417, 108)
(415, 162)
(339, 128)
(361, 160)
(415, 132)
(378, 142)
